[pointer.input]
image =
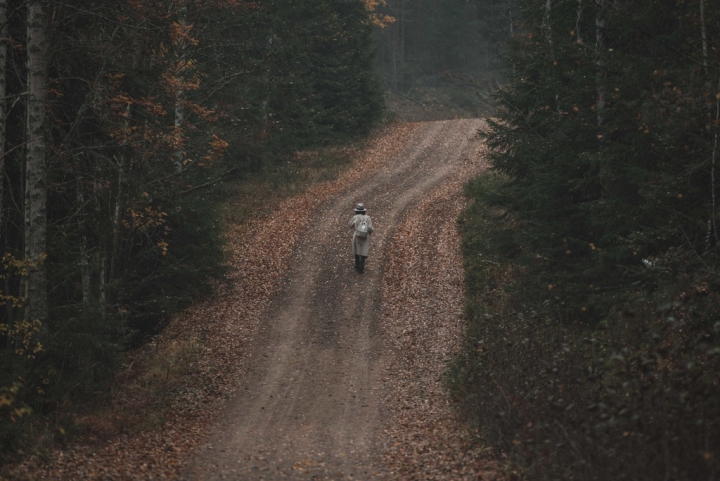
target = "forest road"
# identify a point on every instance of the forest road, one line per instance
(310, 408)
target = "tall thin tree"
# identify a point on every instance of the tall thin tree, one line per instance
(36, 162)
(3, 94)
(600, 26)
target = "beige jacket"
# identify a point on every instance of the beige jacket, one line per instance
(360, 246)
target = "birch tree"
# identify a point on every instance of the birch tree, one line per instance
(36, 162)
(111, 168)
(180, 39)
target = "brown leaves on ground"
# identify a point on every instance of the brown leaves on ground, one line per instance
(198, 360)
(215, 334)
(422, 319)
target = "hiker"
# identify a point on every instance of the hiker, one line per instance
(361, 237)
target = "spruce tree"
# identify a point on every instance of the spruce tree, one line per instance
(326, 84)
(606, 133)
(592, 258)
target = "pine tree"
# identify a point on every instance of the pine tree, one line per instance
(123, 120)
(594, 327)
(326, 82)
(606, 141)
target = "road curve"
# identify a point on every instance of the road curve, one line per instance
(310, 408)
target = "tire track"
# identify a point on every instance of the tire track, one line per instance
(311, 406)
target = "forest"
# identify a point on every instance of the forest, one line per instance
(592, 270)
(591, 251)
(121, 122)
(445, 55)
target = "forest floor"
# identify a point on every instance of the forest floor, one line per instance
(425, 104)
(307, 369)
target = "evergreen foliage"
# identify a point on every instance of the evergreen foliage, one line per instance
(328, 88)
(151, 106)
(591, 255)
(609, 144)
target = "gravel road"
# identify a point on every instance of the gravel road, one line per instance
(311, 406)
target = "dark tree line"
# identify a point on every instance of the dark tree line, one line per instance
(593, 252)
(426, 40)
(119, 120)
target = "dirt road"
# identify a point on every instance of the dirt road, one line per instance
(311, 407)
(299, 367)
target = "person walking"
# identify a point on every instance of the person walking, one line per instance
(361, 237)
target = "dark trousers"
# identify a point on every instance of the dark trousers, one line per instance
(360, 263)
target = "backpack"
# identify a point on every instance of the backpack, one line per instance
(362, 229)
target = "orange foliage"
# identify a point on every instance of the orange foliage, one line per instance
(180, 34)
(202, 112)
(151, 107)
(378, 19)
(217, 149)
(148, 217)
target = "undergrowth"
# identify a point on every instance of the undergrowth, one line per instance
(150, 378)
(120, 390)
(635, 395)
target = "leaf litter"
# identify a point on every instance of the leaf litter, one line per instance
(422, 324)
(222, 328)
(422, 319)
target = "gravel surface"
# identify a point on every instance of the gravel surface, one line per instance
(310, 370)
(422, 322)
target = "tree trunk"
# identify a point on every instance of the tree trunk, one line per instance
(578, 35)
(510, 20)
(402, 44)
(102, 294)
(546, 23)
(600, 25)
(512, 33)
(3, 94)
(713, 207)
(703, 35)
(36, 164)
(398, 48)
(117, 217)
(713, 212)
(84, 270)
(180, 59)
(393, 79)
(265, 102)
(84, 264)
(547, 28)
